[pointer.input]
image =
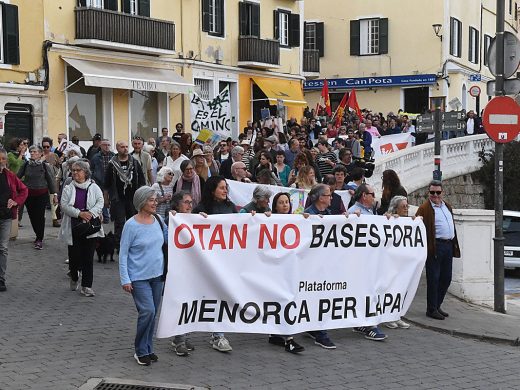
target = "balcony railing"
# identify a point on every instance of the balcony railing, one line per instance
(111, 26)
(259, 51)
(311, 61)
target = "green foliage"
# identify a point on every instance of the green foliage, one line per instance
(486, 176)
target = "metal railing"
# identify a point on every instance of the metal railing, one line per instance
(112, 26)
(253, 49)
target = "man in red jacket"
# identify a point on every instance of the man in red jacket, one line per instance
(12, 194)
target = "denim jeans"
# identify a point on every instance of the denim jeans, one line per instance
(438, 275)
(5, 230)
(147, 297)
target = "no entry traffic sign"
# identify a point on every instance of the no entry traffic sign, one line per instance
(502, 119)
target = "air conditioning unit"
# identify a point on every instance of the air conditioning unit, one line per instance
(219, 55)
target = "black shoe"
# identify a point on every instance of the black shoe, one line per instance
(2, 286)
(277, 340)
(153, 357)
(143, 360)
(435, 315)
(443, 313)
(293, 347)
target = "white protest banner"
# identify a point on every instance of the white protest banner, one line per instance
(286, 274)
(65, 146)
(214, 115)
(391, 143)
(242, 193)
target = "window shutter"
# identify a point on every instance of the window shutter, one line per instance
(11, 34)
(354, 37)
(255, 20)
(276, 24)
(305, 44)
(383, 36)
(111, 5)
(205, 15)
(242, 19)
(82, 3)
(144, 8)
(477, 46)
(320, 38)
(471, 46)
(220, 17)
(125, 6)
(459, 43)
(294, 30)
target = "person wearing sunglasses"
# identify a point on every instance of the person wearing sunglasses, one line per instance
(365, 200)
(442, 248)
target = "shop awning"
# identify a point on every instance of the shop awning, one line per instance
(278, 89)
(139, 78)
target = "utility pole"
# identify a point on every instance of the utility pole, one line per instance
(499, 304)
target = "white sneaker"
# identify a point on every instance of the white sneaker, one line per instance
(401, 324)
(392, 325)
(221, 344)
(87, 291)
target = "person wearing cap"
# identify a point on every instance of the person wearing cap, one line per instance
(94, 148)
(269, 146)
(236, 155)
(199, 164)
(75, 141)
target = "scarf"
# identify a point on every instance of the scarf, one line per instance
(34, 163)
(195, 187)
(125, 176)
(83, 185)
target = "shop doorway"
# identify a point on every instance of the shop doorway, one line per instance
(261, 102)
(18, 122)
(416, 100)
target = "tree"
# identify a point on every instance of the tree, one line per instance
(486, 176)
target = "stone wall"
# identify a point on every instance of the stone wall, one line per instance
(462, 192)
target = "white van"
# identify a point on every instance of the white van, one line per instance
(511, 228)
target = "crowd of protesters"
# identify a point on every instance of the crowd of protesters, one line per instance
(139, 189)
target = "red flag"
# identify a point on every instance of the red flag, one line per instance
(352, 103)
(340, 110)
(325, 98)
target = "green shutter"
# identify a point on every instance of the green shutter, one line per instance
(276, 24)
(11, 34)
(320, 38)
(255, 20)
(354, 37)
(383, 36)
(144, 8)
(294, 30)
(205, 15)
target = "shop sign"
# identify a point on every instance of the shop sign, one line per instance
(371, 82)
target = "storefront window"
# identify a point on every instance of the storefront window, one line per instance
(85, 107)
(144, 114)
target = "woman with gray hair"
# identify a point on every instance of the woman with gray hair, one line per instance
(142, 268)
(39, 178)
(81, 200)
(260, 202)
(164, 191)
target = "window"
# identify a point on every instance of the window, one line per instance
(249, 19)
(202, 87)
(510, 7)
(9, 34)
(144, 114)
(516, 11)
(474, 45)
(487, 43)
(287, 28)
(314, 37)
(213, 17)
(369, 36)
(104, 4)
(136, 7)
(455, 37)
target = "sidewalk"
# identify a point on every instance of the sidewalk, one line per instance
(467, 319)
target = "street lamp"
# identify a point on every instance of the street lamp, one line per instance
(437, 27)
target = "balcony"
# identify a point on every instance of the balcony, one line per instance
(258, 53)
(311, 63)
(119, 31)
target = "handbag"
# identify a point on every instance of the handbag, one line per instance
(81, 228)
(164, 249)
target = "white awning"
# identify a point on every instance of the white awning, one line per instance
(139, 78)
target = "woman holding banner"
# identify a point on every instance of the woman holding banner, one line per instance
(214, 200)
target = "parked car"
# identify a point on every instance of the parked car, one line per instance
(511, 228)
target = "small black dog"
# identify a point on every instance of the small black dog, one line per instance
(106, 246)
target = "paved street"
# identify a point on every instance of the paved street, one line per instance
(53, 338)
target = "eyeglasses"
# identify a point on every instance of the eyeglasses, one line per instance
(329, 195)
(46, 147)
(371, 193)
(76, 170)
(187, 202)
(435, 192)
(170, 173)
(188, 169)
